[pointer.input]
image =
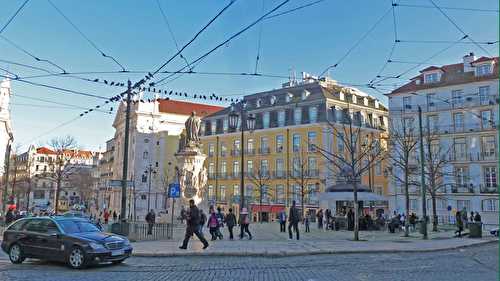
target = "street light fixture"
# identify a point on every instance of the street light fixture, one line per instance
(233, 125)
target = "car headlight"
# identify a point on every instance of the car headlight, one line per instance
(96, 246)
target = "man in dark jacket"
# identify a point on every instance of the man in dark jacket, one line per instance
(230, 221)
(9, 217)
(150, 219)
(293, 221)
(193, 221)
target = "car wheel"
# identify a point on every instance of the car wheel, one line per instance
(76, 258)
(16, 254)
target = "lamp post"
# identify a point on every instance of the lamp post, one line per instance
(250, 125)
(149, 171)
(422, 175)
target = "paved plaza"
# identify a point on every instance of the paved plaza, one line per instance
(470, 264)
(268, 241)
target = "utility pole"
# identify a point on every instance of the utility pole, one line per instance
(6, 180)
(149, 171)
(125, 154)
(422, 174)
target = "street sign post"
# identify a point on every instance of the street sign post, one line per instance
(174, 191)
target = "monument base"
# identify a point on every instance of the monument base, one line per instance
(192, 177)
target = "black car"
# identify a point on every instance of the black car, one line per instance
(73, 240)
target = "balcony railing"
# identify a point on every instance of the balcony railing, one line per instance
(462, 188)
(235, 152)
(264, 150)
(453, 104)
(488, 189)
(472, 156)
(250, 151)
(281, 174)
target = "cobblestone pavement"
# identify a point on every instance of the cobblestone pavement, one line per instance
(476, 264)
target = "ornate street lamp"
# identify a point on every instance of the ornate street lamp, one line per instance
(233, 125)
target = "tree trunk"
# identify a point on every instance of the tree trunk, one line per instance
(58, 188)
(407, 204)
(302, 204)
(28, 196)
(434, 213)
(356, 212)
(260, 209)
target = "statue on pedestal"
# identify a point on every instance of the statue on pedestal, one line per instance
(193, 125)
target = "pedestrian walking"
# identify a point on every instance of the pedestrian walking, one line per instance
(471, 216)
(244, 222)
(282, 218)
(106, 216)
(212, 223)
(193, 221)
(459, 223)
(230, 221)
(115, 216)
(220, 223)
(9, 217)
(150, 219)
(183, 214)
(477, 217)
(203, 220)
(328, 215)
(293, 221)
(350, 220)
(306, 222)
(319, 215)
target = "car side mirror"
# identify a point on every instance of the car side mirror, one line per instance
(55, 235)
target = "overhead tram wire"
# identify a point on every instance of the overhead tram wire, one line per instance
(356, 44)
(229, 39)
(257, 58)
(393, 47)
(171, 33)
(420, 63)
(85, 36)
(459, 28)
(195, 36)
(294, 9)
(446, 41)
(13, 16)
(448, 8)
(16, 46)
(54, 102)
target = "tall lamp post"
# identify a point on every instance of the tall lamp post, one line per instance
(250, 126)
(149, 171)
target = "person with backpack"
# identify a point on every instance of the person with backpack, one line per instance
(319, 215)
(459, 223)
(193, 222)
(230, 221)
(244, 222)
(212, 223)
(150, 219)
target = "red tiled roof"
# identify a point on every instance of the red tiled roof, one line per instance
(430, 68)
(185, 108)
(77, 153)
(44, 150)
(482, 59)
(453, 75)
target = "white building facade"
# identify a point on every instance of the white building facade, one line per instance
(460, 107)
(155, 127)
(6, 134)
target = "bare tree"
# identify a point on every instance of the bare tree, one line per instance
(261, 179)
(362, 150)
(82, 178)
(434, 162)
(403, 141)
(65, 150)
(302, 174)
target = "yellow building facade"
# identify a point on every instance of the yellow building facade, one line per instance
(282, 158)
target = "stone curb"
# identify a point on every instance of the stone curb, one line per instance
(307, 253)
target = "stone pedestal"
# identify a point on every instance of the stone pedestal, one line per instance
(192, 177)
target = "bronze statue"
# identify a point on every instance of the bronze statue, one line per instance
(193, 124)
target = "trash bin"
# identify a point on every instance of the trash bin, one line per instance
(421, 226)
(476, 229)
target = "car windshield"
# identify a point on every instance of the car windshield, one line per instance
(70, 226)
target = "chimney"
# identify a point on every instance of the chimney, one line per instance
(467, 62)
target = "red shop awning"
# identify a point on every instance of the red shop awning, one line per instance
(267, 208)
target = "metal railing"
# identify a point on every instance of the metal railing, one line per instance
(138, 231)
(488, 189)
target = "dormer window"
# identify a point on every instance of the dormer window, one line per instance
(305, 94)
(289, 97)
(431, 78)
(258, 103)
(272, 100)
(483, 69)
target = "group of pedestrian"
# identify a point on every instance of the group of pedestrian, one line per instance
(216, 220)
(461, 220)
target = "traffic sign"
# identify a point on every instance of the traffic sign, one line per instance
(174, 190)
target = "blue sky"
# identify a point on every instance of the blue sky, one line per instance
(135, 33)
